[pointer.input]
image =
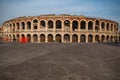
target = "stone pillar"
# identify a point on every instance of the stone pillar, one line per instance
(86, 38)
(53, 36)
(105, 27)
(79, 27)
(54, 27)
(25, 26)
(70, 26)
(15, 27)
(100, 27)
(38, 38)
(38, 25)
(93, 38)
(25, 35)
(46, 26)
(46, 38)
(78, 38)
(70, 32)
(100, 38)
(86, 26)
(62, 37)
(62, 26)
(31, 25)
(20, 36)
(94, 26)
(71, 38)
(54, 30)
(32, 38)
(10, 29)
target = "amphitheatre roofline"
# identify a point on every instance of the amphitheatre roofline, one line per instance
(61, 15)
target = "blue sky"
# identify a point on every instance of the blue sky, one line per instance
(108, 9)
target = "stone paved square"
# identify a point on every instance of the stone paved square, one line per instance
(59, 61)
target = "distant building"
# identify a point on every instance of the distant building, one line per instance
(60, 28)
(119, 33)
(1, 30)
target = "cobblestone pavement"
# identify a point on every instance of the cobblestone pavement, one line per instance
(59, 61)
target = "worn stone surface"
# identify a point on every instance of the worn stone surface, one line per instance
(59, 61)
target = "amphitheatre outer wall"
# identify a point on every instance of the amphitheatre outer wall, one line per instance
(60, 28)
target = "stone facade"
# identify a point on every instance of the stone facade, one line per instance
(60, 28)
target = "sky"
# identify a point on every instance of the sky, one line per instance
(107, 9)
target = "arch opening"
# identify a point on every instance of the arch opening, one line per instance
(107, 38)
(75, 38)
(90, 38)
(13, 27)
(111, 39)
(74, 25)
(58, 24)
(42, 24)
(97, 38)
(35, 38)
(42, 38)
(83, 25)
(82, 38)
(18, 26)
(67, 38)
(58, 38)
(50, 38)
(23, 25)
(102, 38)
(35, 21)
(103, 26)
(28, 25)
(23, 39)
(50, 24)
(35, 27)
(90, 25)
(28, 38)
(67, 23)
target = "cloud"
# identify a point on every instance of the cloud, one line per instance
(14, 8)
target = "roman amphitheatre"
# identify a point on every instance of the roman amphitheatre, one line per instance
(51, 60)
(63, 28)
